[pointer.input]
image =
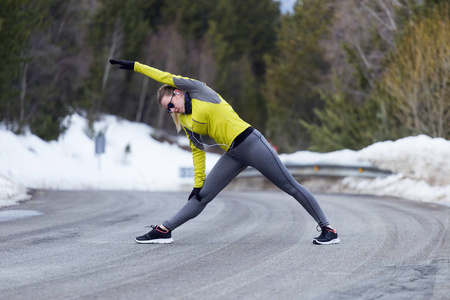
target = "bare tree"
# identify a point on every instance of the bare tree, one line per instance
(418, 78)
(112, 49)
(362, 34)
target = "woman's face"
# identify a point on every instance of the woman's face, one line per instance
(176, 100)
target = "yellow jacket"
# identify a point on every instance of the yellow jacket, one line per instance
(211, 115)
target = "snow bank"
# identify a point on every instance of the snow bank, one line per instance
(11, 193)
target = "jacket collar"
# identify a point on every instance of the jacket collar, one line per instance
(187, 103)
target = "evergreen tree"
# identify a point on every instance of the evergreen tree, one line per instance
(19, 20)
(343, 124)
(118, 30)
(242, 33)
(362, 34)
(33, 85)
(192, 21)
(295, 73)
(57, 69)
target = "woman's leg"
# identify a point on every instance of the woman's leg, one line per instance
(257, 152)
(225, 170)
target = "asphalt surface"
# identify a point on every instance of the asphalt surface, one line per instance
(245, 245)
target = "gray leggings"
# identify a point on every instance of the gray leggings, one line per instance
(256, 152)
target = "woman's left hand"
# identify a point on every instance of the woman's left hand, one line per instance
(124, 64)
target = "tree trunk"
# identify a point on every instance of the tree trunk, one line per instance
(142, 98)
(23, 90)
(112, 49)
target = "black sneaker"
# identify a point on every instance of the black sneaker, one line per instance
(156, 236)
(328, 236)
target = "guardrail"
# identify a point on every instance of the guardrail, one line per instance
(326, 170)
(316, 177)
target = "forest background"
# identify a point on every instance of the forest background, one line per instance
(331, 74)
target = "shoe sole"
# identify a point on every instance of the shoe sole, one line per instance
(335, 241)
(155, 241)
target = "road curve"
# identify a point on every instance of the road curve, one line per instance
(245, 245)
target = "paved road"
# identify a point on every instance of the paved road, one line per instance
(253, 245)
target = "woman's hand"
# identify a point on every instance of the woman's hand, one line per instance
(124, 64)
(195, 193)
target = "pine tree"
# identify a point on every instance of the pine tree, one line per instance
(28, 72)
(18, 20)
(295, 73)
(58, 68)
(118, 30)
(343, 123)
(242, 33)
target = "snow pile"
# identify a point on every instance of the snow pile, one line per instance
(11, 193)
(421, 164)
(397, 186)
(419, 158)
(421, 167)
(133, 160)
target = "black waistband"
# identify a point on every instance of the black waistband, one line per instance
(241, 137)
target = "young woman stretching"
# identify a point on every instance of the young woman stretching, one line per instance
(201, 111)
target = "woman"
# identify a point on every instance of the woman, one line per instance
(201, 111)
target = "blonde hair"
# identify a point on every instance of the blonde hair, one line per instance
(167, 90)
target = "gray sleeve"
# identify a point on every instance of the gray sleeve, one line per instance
(198, 90)
(188, 85)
